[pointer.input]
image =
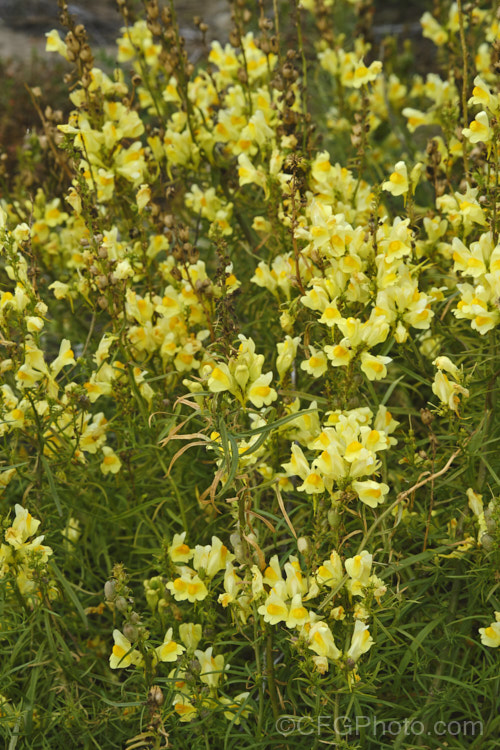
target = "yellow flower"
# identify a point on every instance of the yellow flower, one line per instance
(179, 550)
(123, 655)
(287, 351)
(312, 484)
(55, 43)
(397, 184)
(212, 558)
(111, 464)
(234, 709)
(260, 393)
(188, 586)
(490, 636)
(362, 75)
(448, 392)
(190, 634)
(361, 641)
(415, 118)
(371, 493)
(298, 615)
(274, 610)
(479, 129)
(358, 569)
(330, 572)
(64, 358)
(169, 649)
(433, 30)
(317, 363)
(184, 708)
(341, 354)
(143, 196)
(212, 667)
(220, 379)
(320, 640)
(481, 94)
(23, 526)
(374, 367)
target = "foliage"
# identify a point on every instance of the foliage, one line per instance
(249, 318)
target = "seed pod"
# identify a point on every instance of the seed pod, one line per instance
(110, 589)
(102, 281)
(156, 695)
(130, 632)
(121, 603)
(426, 416)
(487, 542)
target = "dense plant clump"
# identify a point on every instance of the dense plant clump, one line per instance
(249, 329)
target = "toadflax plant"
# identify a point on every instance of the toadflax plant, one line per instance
(249, 315)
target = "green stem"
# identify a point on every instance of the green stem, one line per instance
(270, 675)
(465, 83)
(256, 649)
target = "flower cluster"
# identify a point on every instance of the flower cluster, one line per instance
(255, 298)
(349, 445)
(23, 556)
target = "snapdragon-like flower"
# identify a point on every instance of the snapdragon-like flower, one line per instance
(358, 569)
(190, 634)
(169, 649)
(212, 557)
(243, 376)
(398, 183)
(448, 391)
(111, 464)
(361, 641)
(179, 552)
(212, 667)
(433, 30)
(371, 493)
(359, 75)
(275, 610)
(123, 655)
(490, 636)
(481, 95)
(320, 640)
(479, 129)
(187, 587)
